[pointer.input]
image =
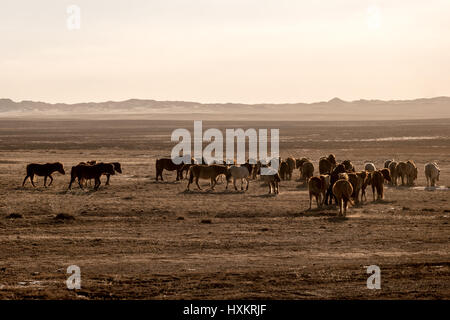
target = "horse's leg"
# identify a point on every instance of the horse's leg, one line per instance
(51, 180)
(97, 183)
(72, 179)
(31, 179)
(25, 180)
(45, 181)
(310, 200)
(79, 182)
(159, 174)
(242, 184)
(234, 183)
(328, 198)
(248, 182)
(196, 182)
(107, 180)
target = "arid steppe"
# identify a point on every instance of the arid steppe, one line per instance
(142, 239)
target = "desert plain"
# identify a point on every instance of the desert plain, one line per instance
(142, 239)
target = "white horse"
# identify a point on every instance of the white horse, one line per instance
(432, 172)
(369, 166)
(242, 172)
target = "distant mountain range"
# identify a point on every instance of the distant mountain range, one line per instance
(335, 109)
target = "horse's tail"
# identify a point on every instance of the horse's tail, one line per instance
(348, 198)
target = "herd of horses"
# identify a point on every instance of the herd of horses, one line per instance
(338, 181)
(84, 172)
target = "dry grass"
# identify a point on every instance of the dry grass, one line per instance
(142, 239)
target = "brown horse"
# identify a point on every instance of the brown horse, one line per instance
(167, 164)
(201, 171)
(348, 165)
(343, 190)
(44, 170)
(117, 168)
(95, 171)
(327, 164)
(317, 187)
(116, 165)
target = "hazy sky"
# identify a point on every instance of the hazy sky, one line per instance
(225, 50)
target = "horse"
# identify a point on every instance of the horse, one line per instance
(242, 172)
(201, 171)
(272, 178)
(44, 170)
(95, 171)
(334, 176)
(117, 168)
(167, 164)
(317, 187)
(343, 190)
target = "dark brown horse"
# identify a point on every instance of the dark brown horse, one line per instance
(202, 171)
(167, 164)
(44, 170)
(348, 165)
(116, 165)
(95, 171)
(117, 168)
(334, 176)
(185, 170)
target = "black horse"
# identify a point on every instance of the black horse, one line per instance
(44, 170)
(86, 172)
(117, 168)
(334, 176)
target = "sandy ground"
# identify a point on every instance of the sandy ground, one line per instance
(139, 239)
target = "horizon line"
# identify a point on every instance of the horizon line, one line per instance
(337, 99)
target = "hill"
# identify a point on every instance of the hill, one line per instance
(335, 109)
